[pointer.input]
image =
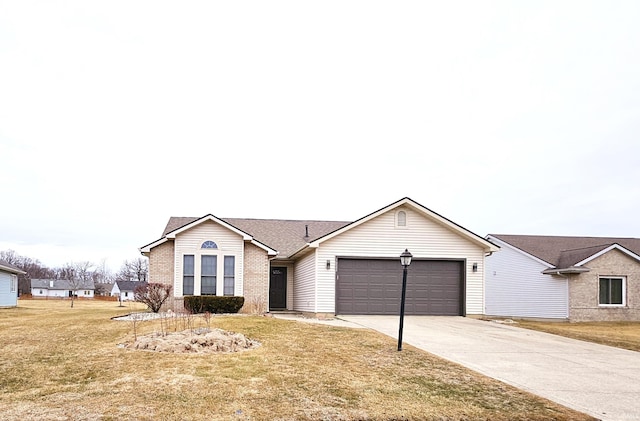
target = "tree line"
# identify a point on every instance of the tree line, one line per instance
(100, 274)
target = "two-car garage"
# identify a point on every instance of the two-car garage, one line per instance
(373, 286)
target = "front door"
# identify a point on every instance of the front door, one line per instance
(278, 289)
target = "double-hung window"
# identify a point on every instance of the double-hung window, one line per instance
(229, 277)
(188, 274)
(208, 270)
(612, 291)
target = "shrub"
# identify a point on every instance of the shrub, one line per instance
(212, 304)
(152, 294)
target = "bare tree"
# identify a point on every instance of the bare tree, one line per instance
(153, 295)
(34, 269)
(134, 270)
(80, 276)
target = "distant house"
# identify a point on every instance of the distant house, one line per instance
(61, 288)
(9, 284)
(125, 289)
(571, 278)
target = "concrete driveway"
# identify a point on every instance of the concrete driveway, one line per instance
(595, 379)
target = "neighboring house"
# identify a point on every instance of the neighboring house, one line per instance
(9, 284)
(45, 288)
(326, 267)
(125, 289)
(574, 278)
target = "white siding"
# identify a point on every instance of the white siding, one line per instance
(190, 242)
(304, 294)
(515, 287)
(380, 237)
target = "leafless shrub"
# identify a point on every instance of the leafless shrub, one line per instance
(207, 319)
(152, 294)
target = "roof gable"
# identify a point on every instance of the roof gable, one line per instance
(428, 213)
(564, 252)
(178, 225)
(288, 237)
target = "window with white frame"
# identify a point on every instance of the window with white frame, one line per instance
(14, 283)
(188, 274)
(207, 265)
(612, 291)
(229, 275)
(208, 270)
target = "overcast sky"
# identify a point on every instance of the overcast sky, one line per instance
(512, 117)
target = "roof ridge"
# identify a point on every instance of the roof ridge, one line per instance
(590, 247)
(565, 236)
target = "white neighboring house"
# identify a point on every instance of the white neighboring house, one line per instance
(125, 289)
(9, 284)
(61, 288)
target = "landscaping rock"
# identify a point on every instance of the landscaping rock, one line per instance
(194, 342)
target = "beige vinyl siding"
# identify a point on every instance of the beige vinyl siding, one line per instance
(380, 237)
(290, 293)
(229, 244)
(515, 287)
(304, 294)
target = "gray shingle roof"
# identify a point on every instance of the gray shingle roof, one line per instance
(129, 285)
(62, 284)
(285, 236)
(563, 251)
(9, 267)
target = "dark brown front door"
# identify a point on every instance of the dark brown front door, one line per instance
(278, 289)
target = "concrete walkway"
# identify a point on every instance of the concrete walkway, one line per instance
(595, 379)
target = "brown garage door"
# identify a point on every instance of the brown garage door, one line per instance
(370, 286)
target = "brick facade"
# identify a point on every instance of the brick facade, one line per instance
(584, 289)
(256, 280)
(161, 264)
(256, 277)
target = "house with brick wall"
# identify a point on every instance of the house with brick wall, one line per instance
(567, 278)
(325, 268)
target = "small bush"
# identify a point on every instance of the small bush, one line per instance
(152, 294)
(213, 304)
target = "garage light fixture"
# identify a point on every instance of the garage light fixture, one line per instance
(475, 267)
(328, 264)
(405, 259)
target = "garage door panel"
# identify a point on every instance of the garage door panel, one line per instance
(370, 286)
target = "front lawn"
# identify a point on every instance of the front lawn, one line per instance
(65, 363)
(619, 334)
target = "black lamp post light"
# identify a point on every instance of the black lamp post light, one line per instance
(405, 259)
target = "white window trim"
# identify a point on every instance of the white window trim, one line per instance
(624, 291)
(197, 270)
(14, 283)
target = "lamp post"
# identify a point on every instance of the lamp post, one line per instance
(405, 259)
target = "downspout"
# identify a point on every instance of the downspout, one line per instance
(568, 278)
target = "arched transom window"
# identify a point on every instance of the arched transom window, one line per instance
(209, 245)
(401, 219)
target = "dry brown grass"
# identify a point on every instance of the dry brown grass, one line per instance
(60, 363)
(624, 335)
